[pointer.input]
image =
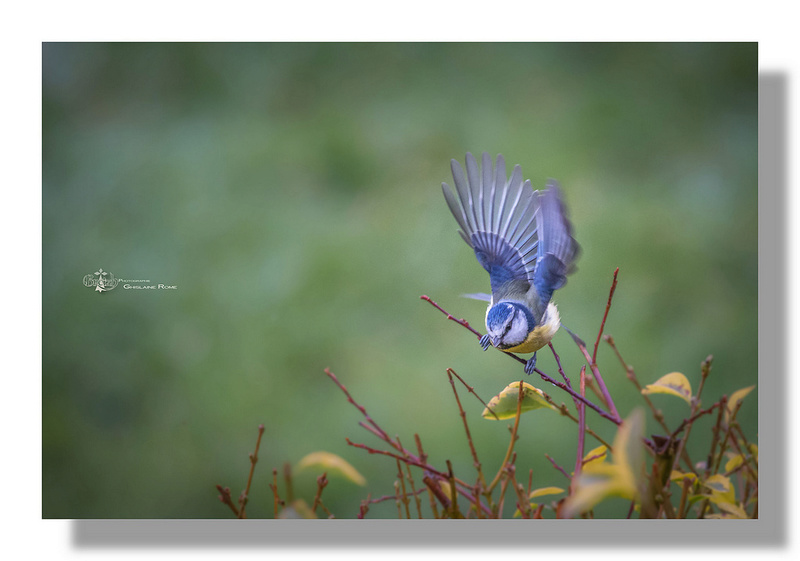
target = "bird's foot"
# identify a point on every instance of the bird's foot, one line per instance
(530, 365)
(485, 342)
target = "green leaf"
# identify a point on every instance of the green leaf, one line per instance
(734, 400)
(332, 464)
(504, 404)
(673, 383)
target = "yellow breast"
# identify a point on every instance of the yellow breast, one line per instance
(541, 334)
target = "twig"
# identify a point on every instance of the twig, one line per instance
(322, 481)
(558, 467)
(513, 439)
(424, 459)
(461, 322)
(413, 489)
(597, 376)
(225, 497)
(397, 500)
(403, 486)
(605, 315)
(631, 375)
(405, 455)
(456, 513)
(705, 369)
(472, 391)
(253, 460)
(687, 484)
(523, 503)
(287, 476)
(390, 497)
(692, 419)
(364, 508)
(616, 420)
(274, 487)
(581, 429)
(363, 411)
(414, 461)
(476, 461)
(436, 490)
(732, 438)
(657, 414)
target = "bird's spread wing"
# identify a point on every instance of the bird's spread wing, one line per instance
(520, 236)
(557, 248)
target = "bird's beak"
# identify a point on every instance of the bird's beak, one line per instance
(495, 341)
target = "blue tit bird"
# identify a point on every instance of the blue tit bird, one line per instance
(523, 239)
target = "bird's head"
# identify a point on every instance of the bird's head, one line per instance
(507, 324)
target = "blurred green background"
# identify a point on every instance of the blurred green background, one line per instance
(292, 193)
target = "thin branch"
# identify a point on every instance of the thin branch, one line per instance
(274, 487)
(581, 428)
(363, 411)
(391, 497)
(424, 459)
(225, 497)
(614, 419)
(253, 460)
(403, 486)
(322, 481)
(558, 467)
(631, 375)
(599, 377)
(513, 439)
(472, 391)
(605, 315)
(412, 460)
(692, 419)
(705, 369)
(413, 488)
(476, 461)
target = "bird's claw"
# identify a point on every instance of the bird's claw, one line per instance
(485, 342)
(530, 365)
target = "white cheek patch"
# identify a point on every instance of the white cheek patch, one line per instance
(519, 330)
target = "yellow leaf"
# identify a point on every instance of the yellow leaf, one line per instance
(734, 400)
(332, 464)
(673, 383)
(734, 510)
(721, 489)
(754, 451)
(545, 491)
(504, 404)
(600, 480)
(629, 448)
(597, 455)
(593, 488)
(734, 462)
(679, 476)
(297, 509)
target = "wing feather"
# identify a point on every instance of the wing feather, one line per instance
(519, 235)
